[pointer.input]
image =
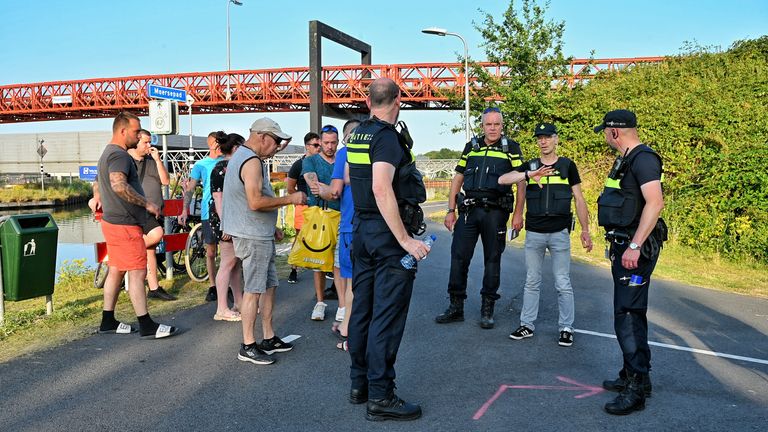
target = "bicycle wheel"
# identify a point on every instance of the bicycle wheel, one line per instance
(194, 258)
(101, 274)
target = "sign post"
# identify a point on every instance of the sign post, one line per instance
(41, 150)
(178, 95)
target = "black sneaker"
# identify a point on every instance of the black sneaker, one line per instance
(329, 275)
(254, 355)
(566, 338)
(211, 296)
(522, 332)
(330, 293)
(160, 294)
(293, 277)
(271, 346)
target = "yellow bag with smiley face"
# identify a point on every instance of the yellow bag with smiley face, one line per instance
(316, 243)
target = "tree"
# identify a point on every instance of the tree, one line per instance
(529, 49)
(443, 153)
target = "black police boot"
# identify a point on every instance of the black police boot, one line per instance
(631, 399)
(358, 396)
(454, 313)
(620, 383)
(391, 408)
(486, 313)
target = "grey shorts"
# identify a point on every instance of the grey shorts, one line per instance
(258, 257)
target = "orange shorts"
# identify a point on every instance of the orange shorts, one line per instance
(125, 246)
(298, 216)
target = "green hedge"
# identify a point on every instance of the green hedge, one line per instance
(706, 113)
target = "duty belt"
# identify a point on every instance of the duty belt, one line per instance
(468, 203)
(618, 237)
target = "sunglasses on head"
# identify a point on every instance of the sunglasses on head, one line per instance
(329, 128)
(491, 109)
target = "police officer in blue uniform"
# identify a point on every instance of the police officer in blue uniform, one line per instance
(386, 190)
(629, 209)
(483, 210)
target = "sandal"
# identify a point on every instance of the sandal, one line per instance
(337, 332)
(231, 317)
(343, 345)
(163, 331)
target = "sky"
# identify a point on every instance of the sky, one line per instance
(53, 40)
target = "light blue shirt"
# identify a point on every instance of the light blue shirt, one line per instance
(201, 171)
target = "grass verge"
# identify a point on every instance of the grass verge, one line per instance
(54, 191)
(77, 310)
(678, 263)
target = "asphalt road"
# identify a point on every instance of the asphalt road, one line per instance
(465, 378)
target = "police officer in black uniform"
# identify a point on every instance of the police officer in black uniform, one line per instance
(385, 185)
(484, 210)
(629, 209)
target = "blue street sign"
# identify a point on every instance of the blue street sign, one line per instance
(155, 139)
(170, 93)
(88, 173)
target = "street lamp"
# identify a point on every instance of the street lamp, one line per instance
(236, 3)
(443, 32)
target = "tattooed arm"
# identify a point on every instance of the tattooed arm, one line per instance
(120, 185)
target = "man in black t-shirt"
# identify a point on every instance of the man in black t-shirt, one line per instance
(294, 181)
(629, 209)
(548, 222)
(152, 175)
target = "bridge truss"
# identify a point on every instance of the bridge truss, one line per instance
(422, 86)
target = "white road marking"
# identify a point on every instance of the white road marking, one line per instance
(681, 348)
(290, 338)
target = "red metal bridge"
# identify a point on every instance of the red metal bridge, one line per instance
(423, 86)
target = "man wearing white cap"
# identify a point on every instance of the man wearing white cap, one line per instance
(249, 216)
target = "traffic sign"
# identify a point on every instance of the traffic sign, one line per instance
(170, 93)
(42, 151)
(88, 173)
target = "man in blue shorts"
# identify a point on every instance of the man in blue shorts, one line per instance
(340, 189)
(201, 172)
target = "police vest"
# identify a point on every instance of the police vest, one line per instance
(484, 165)
(621, 207)
(407, 183)
(554, 199)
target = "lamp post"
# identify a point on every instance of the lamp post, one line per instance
(236, 3)
(443, 32)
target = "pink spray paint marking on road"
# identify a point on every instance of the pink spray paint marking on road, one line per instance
(587, 391)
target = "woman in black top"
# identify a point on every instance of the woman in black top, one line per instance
(230, 269)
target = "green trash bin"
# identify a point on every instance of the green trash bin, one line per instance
(28, 253)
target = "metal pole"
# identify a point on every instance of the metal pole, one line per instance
(49, 304)
(466, 85)
(2, 291)
(228, 65)
(466, 82)
(167, 222)
(42, 171)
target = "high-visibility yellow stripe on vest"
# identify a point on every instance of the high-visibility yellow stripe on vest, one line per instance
(550, 180)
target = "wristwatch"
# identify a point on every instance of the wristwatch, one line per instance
(634, 246)
(450, 210)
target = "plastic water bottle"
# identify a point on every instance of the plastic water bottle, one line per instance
(160, 248)
(409, 261)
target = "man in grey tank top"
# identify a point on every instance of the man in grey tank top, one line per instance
(249, 216)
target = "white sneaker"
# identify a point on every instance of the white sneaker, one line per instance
(318, 312)
(340, 312)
